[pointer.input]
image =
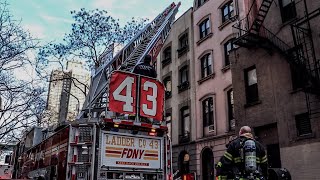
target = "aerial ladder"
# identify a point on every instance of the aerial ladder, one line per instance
(154, 33)
(105, 124)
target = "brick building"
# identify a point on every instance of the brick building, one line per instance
(275, 69)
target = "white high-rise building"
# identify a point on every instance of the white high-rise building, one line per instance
(79, 88)
(67, 92)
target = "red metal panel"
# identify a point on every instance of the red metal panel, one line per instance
(122, 94)
(151, 98)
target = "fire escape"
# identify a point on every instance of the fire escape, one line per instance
(302, 59)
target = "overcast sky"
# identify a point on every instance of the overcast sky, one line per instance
(51, 19)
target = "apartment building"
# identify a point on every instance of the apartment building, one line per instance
(213, 37)
(67, 91)
(177, 73)
(202, 116)
(276, 80)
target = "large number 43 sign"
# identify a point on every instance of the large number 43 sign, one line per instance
(124, 92)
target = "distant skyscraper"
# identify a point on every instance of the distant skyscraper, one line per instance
(67, 91)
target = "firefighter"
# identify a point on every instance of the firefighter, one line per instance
(145, 68)
(245, 158)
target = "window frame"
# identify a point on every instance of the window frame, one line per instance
(167, 58)
(207, 117)
(303, 117)
(201, 2)
(168, 94)
(250, 88)
(227, 52)
(183, 85)
(207, 25)
(183, 46)
(288, 12)
(185, 39)
(184, 136)
(230, 14)
(181, 72)
(230, 106)
(206, 65)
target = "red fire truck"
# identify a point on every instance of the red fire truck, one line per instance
(108, 148)
(119, 133)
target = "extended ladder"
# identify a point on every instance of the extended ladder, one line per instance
(131, 55)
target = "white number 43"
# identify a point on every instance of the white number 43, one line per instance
(128, 99)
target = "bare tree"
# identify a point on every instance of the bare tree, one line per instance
(92, 37)
(93, 34)
(21, 102)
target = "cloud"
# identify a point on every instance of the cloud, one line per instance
(104, 4)
(36, 30)
(54, 19)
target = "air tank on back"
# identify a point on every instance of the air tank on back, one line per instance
(250, 157)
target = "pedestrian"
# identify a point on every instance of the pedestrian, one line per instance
(245, 158)
(145, 68)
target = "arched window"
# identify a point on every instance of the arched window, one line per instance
(228, 46)
(208, 115)
(204, 28)
(206, 65)
(207, 163)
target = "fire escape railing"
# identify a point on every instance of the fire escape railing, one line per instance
(248, 33)
(251, 33)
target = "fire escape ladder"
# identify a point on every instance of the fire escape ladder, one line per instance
(260, 16)
(303, 40)
(251, 33)
(248, 28)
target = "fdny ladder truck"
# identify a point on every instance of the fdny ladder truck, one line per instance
(105, 143)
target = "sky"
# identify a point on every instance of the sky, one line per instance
(49, 20)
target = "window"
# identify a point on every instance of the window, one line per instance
(184, 75)
(183, 40)
(204, 28)
(168, 119)
(200, 2)
(251, 85)
(228, 46)
(183, 44)
(227, 11)
(298, 81)
(155, 65)
(288, 10)
(207, 112)
(230, 109)
(303, 124)
(206, 65)
(184, 82)
(166, 56)
(7, 159)
(185, 124)
(168, 85)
